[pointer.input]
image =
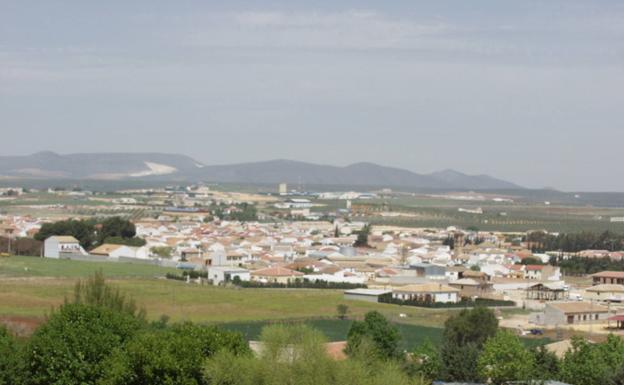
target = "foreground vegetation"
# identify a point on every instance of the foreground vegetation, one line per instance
(99, 335)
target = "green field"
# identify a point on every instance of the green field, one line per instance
(336, 330)
(17, 266)
(31, 286)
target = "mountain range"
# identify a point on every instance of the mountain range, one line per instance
(151, 166)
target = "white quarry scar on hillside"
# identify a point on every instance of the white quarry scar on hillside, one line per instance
(155, 169)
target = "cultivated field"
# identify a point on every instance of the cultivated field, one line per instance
(32, 287)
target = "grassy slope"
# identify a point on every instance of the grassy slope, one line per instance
(34, 296)
(44, 267)
(32, 287)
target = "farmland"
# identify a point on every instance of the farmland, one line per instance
(32, 287)
(424, 211)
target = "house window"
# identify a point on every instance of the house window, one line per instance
(584, 317)
(596, 317)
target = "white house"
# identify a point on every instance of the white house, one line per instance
(130, 252)
(220, 274)
(428, 292)
(59, 246)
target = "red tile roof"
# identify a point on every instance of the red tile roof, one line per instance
(276, 271)
(609, 274)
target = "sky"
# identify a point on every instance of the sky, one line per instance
(528, 91)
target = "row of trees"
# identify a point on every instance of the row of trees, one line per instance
(540, 241)
(298, 283)
(20, 246)
(242, 212)
(582, 266)
(93, 232)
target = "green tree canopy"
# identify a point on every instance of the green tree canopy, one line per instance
(72, 346)
(463, 339)
(173, 355)
(427, 361)
(594, 364)
(362, 237)
(296, 354)
(384, 336)
(93, 232)
(505, 359)
(83, 231)
(10, 361)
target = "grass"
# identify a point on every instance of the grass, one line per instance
(35, 296)
(31, 286)
(18, 266)
(336, 330)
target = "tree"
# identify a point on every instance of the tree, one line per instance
(9, 358)
(547, 366)
(531, 261)
(362, 237)
(94, 291)
(162, 251)
(89, 233)
(174, 355)
(504, 359)
(134, 242)
(342, 310)
(83, 231)
(295, 354)
(593, 364)
(428, 362)
(384, 336)
(463, 339)
(449, 241)
(115, 227)
(72, 346)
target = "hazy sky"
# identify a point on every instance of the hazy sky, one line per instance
(529, 91)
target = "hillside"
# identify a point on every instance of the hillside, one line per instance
(151, 166)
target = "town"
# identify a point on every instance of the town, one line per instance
(542, 286)
(257, 240)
